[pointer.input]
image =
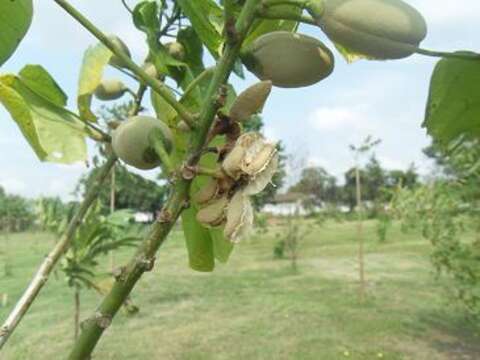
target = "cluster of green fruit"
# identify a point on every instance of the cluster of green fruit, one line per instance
(279, 58)
(377, 29)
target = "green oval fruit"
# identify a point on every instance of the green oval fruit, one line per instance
(289, 60)
(110, 89)
(115, 60)
(176, 50)
(130, 141)
(382, 29)
(250, 101)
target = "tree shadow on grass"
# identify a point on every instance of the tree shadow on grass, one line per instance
(452, 333)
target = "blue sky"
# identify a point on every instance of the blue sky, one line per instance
(384, 99)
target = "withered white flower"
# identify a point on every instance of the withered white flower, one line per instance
(239, 217)
(232, 164)
(255, 157)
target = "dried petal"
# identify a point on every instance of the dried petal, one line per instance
(239, 217)
(214, 213)
(250, 101)
(263, 178)
(258, 158)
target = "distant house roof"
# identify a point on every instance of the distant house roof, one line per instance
(290, 197)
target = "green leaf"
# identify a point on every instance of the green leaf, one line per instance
(193, 49)
(15, 20)
(199, 243)
(94, 62)
(42, 83)
(222, 248)
(53, 132)
(206, 18)
(453, 106)
(145, 17)
(164, 111)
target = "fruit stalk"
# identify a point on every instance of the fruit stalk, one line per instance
(155, 84)
(281, 14)
(45, 269)
(144, 258)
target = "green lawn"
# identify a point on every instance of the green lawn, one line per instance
(256, 307)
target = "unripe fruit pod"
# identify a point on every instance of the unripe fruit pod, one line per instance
(381, 29)
(239, 217)
(214, 213)
(115, 60)
(130, 141)
(207, 192)
(110, 89)
(289, 60)
(250, 101)
(176, 50)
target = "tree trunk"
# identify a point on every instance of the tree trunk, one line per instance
(76, 323)
(112, 209)
(361, 267)
(48, 264)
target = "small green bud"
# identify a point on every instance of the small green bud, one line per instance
(110, 89)
(250, 101)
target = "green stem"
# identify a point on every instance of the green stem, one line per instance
(156, 141)
(202, 76)
(299, 3)
(272, 13)
(215, 173)
(144, 257)
(156, 85)
(445, 54)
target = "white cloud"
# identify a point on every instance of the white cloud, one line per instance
(334, 118)
(13, 185)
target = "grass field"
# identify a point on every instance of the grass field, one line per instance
(256, 307)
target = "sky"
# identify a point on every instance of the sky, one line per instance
(385, 99)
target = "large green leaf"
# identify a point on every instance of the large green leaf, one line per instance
(94, 62)
(453, 107)
(15, 20)
(206, 18)
(42, 83)
(199, 243)
(52, 131)
(193, 49)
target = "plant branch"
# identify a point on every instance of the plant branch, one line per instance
(55, 254)
(155, 84)
(178, 199)
(156, 141)
(203, 75)
(272, 13)
(465, 55)
(299, 3)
